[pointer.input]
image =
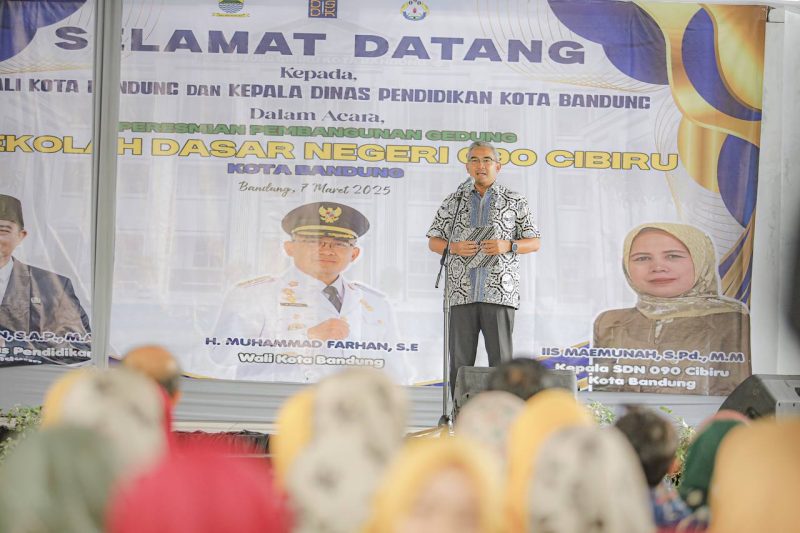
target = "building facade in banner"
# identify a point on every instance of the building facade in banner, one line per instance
(632, 128)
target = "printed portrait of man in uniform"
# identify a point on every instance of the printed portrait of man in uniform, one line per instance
(41, 318)
(313, 300)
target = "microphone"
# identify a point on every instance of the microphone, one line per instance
(464, 185)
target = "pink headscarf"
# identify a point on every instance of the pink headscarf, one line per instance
(203, 489)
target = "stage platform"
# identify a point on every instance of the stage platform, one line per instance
(220, 405)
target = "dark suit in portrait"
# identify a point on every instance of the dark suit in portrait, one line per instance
(41, 318)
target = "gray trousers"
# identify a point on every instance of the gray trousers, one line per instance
(496, 322)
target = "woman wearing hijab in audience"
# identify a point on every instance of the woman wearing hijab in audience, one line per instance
(54, 398)
(292, 432)
(756, 484)
(588, 480)
(361, 400)
(543, 414)
(441, 485)
(358, 424)
(203, 489)
(698, 469)
(58, 481)
(125, 407)
(673, 270)
(487, 418)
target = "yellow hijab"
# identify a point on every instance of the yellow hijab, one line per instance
(420, 460)
(756, 483)
(52, 408)
(293, 432)
(704, 297)
(543, 414)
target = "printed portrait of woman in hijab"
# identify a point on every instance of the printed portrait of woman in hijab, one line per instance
(682, 335)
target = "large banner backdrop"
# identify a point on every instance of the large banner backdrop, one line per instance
(632, 128)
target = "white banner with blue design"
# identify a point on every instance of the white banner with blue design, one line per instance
(241, 121)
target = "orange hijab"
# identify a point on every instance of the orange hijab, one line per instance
(756, 483)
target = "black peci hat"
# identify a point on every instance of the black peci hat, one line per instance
(11, 209)
(325, 219)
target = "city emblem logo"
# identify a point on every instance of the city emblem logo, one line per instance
(323, 9)
(231, 8)
(415, 10)
(329, 215)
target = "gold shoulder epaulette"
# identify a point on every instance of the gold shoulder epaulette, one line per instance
(255, 281)
(367, 289)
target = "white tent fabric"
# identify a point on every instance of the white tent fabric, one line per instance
(778, 227)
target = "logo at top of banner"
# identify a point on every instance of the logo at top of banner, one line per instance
(322, 9)
(329, 215)
(231, 8)
(415, 10)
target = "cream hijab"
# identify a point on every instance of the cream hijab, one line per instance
(589, 479)
(487, 418)
(703, 298)
(338, 450)
(122, 405)
(544, 414)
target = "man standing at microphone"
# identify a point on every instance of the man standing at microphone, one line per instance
(493, 227)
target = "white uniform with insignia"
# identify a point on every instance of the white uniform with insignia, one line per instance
(279, 309)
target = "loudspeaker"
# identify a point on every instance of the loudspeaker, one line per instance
(764, 395)
(471, 380)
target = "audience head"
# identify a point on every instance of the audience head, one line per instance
(332, 483)
(358, 422)
(521, 377)
(203, 489)
(588, 479)
(58, 481)
(338, 452)
(756, 485)
(292, 431)
(158, 364)
(543, 415)
(125, 407)
(362, 401)
(52, 406)
(439, 486)
(654, 440)
(698, 468)
(487, 418)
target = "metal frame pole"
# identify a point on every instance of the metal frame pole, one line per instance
(106, 78)
(445, 418)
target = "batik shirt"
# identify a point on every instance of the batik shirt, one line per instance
(499, 214)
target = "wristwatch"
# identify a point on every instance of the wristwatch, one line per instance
(514, 247)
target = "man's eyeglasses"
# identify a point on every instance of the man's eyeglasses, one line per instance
(333, 244)
(481, 161)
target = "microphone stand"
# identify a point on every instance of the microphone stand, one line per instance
(445, 419)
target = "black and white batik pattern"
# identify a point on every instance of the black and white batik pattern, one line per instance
(504, 214)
